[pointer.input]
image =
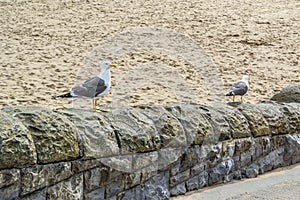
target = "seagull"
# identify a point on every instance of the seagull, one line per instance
(93, 88)
(239, 88)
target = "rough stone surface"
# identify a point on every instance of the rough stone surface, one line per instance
(9, 177)
(54, 135)
(96, 194)
(157, 188)
(40, 176)
(258, 124)
(97, 136)
(239, 127)
(16, 144)
(288, 94)
(10, 192)
(276, 119)
(69, 189)
(197, 146)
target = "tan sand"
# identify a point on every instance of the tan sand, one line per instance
(45, 46)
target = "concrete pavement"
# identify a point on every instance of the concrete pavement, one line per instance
(281, 184)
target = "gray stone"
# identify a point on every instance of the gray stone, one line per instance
(220, 171)
(169, 129)
(54, 136)
(276, 119)
(157, 187)
(292, 113)
(10, 192)
(40, 176)
(258, 124)
(252, 171)
(38, 195)
(192, 184)
(115, 187)
(179, 178)
(16, 144)
(203, 179)
(68, 189)
(96, 131)
(197, 169)
(92, 179)
(136, 131)
(132, 179)
(292, 147)
(178, 189)
(9, 177)
(96, 194)
(290, 93)
(239, 127)
(136, 193)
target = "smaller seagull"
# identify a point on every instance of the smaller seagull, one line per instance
(93, 88)
(239, 88)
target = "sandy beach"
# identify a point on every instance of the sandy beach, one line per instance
(46, 48)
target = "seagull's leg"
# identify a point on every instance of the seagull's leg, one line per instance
(242, 99)
(233, 98)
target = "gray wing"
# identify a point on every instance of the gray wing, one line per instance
(239, 88)
(90, 88)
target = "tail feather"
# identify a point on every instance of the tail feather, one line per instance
(229, 93)
(66, 95)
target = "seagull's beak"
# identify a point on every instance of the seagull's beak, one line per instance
(113, 65)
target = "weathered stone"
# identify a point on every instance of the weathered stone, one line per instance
(115, 187)
(290, 93)
(157, 187)
(132, 194)
(203, 179)
(145, 161)
(276, 119)
(68, 189)
(220, 171)
(83, 165)
(135, 130)
(16, 145)
(9, 176)
(197, 169)
(96, 194)
(40, 176)
(239, 127)
(54, 135)
(292, 147)
(261, 146)
(178, 189)
(168, 155)
(10, 192)
(169, 129)
(220, 128)
(251, 171)
(96, 131)
(38, 195)
(211, 153)
(190, 157)
(271, 161)
(92, 179)
(192, 184)
(258, 124)
(179, 178)
(228, 149)
(132, 179)
(195, 125)
(292, 113)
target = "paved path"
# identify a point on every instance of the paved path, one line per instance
(281, 184)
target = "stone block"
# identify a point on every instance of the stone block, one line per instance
(39, 176)
(17, 148)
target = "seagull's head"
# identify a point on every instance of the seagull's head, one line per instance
(105, 65)
(246, 79)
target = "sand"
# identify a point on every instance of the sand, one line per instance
(46, 48)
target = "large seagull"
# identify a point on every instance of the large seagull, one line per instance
(93, 88)
(239, 88)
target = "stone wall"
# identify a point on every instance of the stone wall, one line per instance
(149, 152)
